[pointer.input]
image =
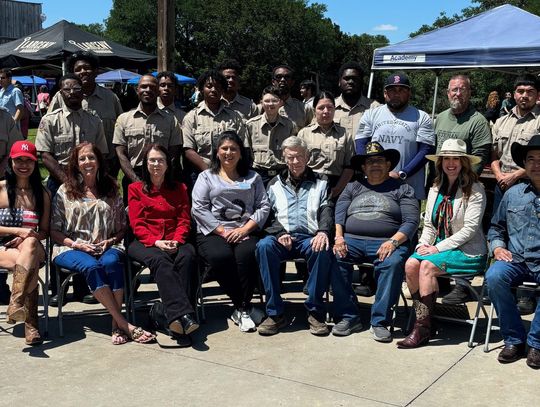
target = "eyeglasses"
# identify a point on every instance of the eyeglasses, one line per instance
(460, 90)
(280, 77)
(536, 204)
(72, 90)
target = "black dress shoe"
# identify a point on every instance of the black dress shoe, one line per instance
(511, 353)
(189, 324)
(533, 358)
(53, 301)
(89, 299)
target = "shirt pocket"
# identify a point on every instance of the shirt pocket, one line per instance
(63, 144)
(517, 218)
(203, 137)
(134, 138)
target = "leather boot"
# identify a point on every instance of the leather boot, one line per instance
(16, 311)
(421, 333)
(31, 324)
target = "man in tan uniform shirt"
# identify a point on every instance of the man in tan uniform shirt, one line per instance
(168, 85)
(144, 125)
(351, 104)
(294, 109)
(64, 128)
(244, 106)
(519, 125)
(96, 99)
(206, 122)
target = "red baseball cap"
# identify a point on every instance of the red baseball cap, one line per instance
(23, 148)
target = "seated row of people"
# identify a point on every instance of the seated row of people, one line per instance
(376, 218)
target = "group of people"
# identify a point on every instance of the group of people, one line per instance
(240, 188)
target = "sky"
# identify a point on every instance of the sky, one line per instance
(395, 19)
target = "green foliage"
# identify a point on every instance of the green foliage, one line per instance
(258, 33)
(94, 28)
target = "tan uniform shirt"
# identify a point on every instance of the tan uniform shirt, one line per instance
(329, 153)
(265, 140)
(201, 127)
(350, 117)
(177, 112)
(135, 129)
(9, 132)
(243, 106)
(297, 111)
(62, 129)
(511, 128)
(105, 104)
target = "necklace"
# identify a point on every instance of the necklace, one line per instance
(22, 189)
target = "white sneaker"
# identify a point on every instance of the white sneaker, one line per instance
(405, 290)
(256, 315)
(243, 320)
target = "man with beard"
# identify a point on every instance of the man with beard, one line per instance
(167, 92)
(144, 125)
(96, 99)
(242, 105)
(351, 104)
(519, 126)
(294, 109)
(398, 125)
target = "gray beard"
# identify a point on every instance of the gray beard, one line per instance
(456, 105)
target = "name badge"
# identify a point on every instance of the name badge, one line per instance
(243, 185)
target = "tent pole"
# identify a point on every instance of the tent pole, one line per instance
(435, 96)
(370, 84)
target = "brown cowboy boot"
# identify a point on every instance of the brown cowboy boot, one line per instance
(421, 333)
(16, 311)
(31, 324)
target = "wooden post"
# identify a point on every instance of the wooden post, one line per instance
(165, 35)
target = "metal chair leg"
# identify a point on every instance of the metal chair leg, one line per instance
(488, 329)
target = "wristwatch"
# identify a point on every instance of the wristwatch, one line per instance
(402, 175)
(394, 242)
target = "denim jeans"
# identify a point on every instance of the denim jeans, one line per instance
(323, 271)
(106, 270)
(500, 277)
(388, 274)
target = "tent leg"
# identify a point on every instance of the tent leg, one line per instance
(435, 97)
(370, 84)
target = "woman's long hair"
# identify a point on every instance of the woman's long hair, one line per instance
(35, 184)
(492, 100)
(105, 184)
(243, 164)
(169, 176)
(467, 177)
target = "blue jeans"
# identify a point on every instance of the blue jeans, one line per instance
(107, 270)
(323, 271)
(388, 274)
(500, 277)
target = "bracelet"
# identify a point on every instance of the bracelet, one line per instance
(338, 237)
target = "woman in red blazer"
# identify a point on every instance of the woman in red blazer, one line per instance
(159, 215)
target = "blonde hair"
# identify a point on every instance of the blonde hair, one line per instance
(492, 100)
(467, 177)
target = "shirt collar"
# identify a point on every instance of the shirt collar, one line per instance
(140, 111)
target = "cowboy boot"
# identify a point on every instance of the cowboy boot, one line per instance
(421, 333)
(16, 311)
(31, 324)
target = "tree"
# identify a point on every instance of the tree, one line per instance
(94, 28)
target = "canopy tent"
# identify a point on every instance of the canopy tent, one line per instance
(482, 41)
(182, 80)
(62, 39)
(30, 80)
(118, 75)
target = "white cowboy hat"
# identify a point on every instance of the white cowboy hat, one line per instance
(454, 148)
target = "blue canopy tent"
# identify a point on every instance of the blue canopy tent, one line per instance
(30, 80)
(117, 75)
(182, 80)
(482, 41)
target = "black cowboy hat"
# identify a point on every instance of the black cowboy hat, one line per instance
(519, 151)
(374, 149)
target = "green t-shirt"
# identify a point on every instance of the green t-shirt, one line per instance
(470, 126)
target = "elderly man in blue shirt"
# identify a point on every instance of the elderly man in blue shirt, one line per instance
(514, 239)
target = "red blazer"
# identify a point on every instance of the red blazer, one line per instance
(162, 214)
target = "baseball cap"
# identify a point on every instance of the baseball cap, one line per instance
(397, 79)
(23, 148)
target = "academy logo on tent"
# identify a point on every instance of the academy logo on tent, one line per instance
(408, 59)
(30, 47)
(98, 47)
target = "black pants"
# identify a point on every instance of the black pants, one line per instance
(233, 265)
(173, 274)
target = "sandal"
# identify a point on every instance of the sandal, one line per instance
(139, 335)
(118, 337)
